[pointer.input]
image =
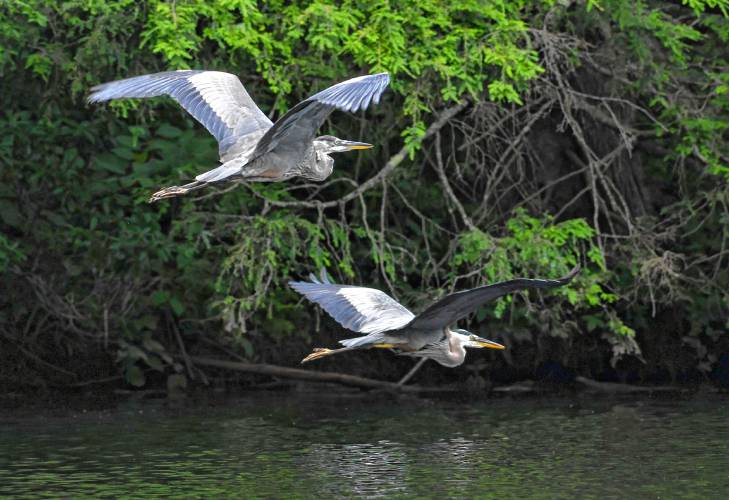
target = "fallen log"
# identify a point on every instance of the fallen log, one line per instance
(523, 386)
(613, 387)
(312, 376)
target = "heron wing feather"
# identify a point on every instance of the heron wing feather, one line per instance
(458, 305)
(360, 309)
(216, 99)
(300, 124)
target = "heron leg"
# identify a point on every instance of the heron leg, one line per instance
(412, 371)
(173, 191)
(321, 352)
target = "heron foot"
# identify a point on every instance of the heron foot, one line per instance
(317, 353)
(168, 192)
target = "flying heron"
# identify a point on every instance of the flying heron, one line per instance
(389, 325)
(251, 147)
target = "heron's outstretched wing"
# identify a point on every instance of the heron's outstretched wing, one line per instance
(360, 309)
(299, 125)
(216, 99)
(458, 305)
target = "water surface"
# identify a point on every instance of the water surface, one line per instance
(294, 445)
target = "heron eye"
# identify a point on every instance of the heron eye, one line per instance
(472, 337)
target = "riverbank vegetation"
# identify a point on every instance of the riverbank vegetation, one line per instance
(516, 139)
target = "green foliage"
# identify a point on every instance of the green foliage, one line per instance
(703, 130)
(149, 354)
(10, 253)
(454, 44)
(540, 247)
(269, 250)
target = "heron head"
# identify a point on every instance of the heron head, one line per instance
(333, 144)
(476, 342)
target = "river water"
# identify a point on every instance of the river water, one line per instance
(298, 445)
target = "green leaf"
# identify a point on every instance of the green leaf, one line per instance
(168, 131)
(155, 363)
(177, 307)
(135, 376)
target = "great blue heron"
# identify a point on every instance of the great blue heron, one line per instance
(251, 147)
(389, 325)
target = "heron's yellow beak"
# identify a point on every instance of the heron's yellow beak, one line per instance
(357, 145)
(489, 344)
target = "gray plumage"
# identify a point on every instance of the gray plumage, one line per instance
(250, 146)
(388, 324)
(362, 310)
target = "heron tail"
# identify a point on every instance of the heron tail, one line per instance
(360, 342)
(223, 172)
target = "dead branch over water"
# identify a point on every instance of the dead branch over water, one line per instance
(308, 375)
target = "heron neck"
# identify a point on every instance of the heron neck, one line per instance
(456, 349)
(320, 164)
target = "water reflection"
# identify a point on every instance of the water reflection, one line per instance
(360, 469)
(364, 447)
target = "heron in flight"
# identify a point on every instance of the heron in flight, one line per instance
(389, 325)
(251, 147)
